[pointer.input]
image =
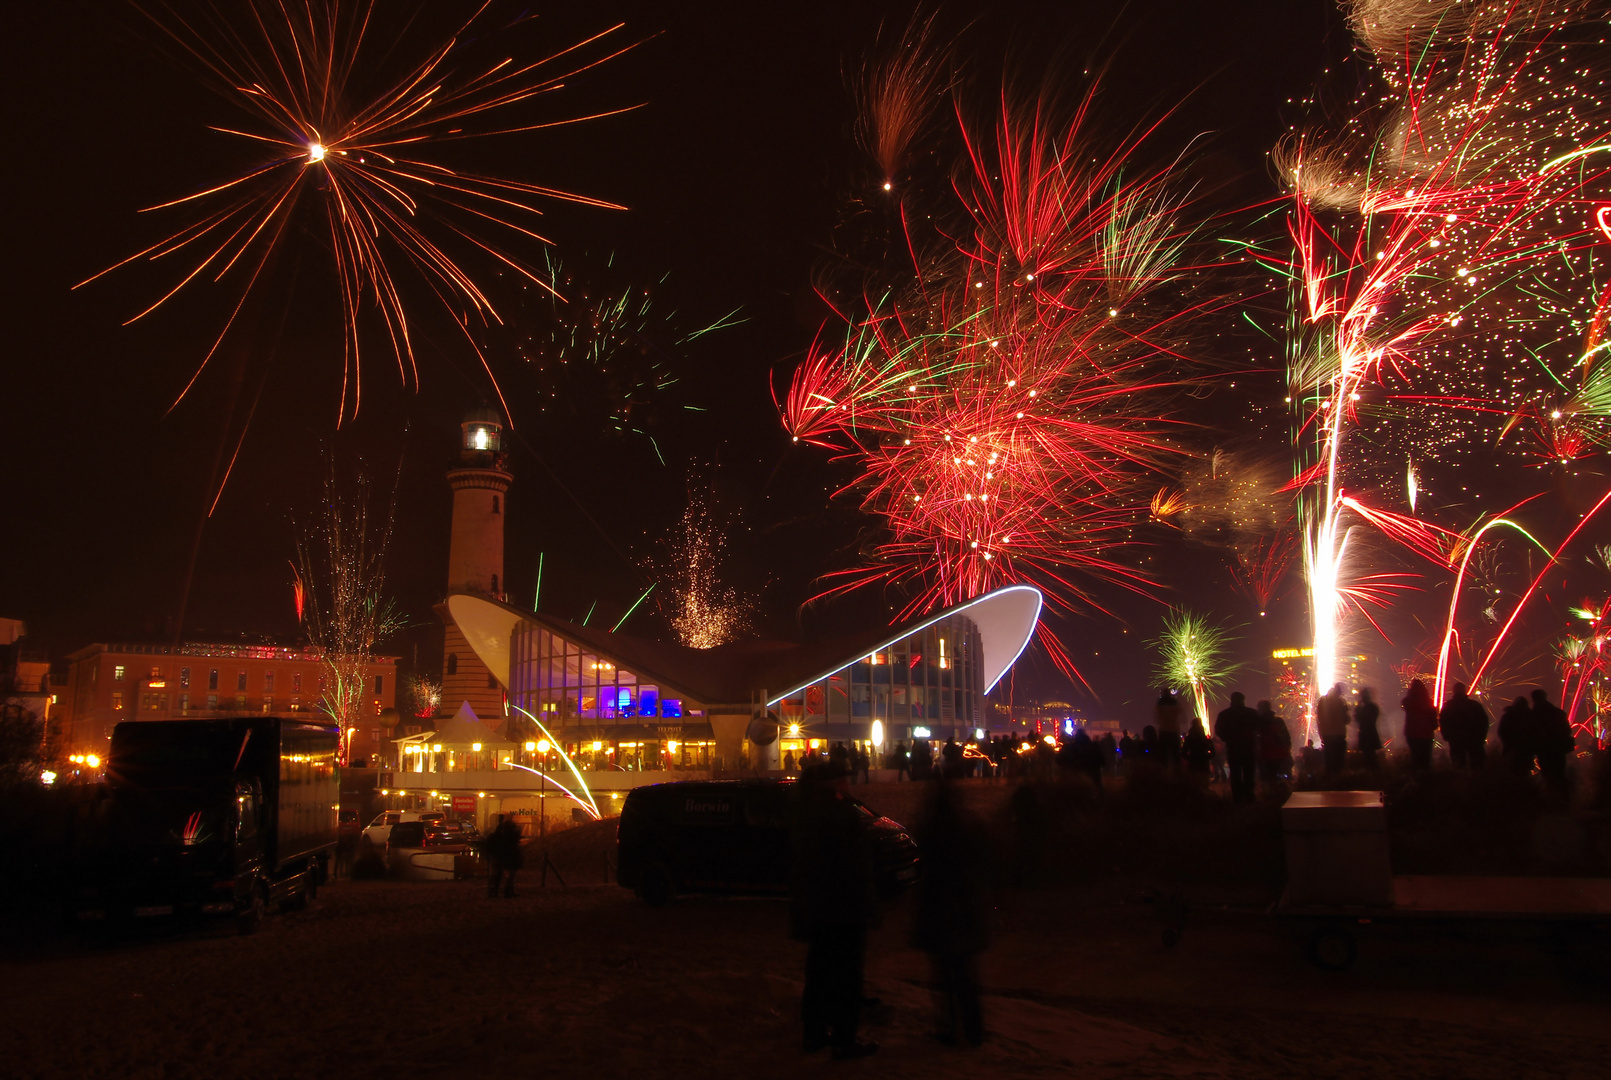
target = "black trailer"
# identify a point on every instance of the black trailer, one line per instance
(216, 817)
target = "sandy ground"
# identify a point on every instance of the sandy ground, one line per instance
(395, 980)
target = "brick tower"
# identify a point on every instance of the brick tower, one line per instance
(480, 486)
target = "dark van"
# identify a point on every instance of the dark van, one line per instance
(731, 836)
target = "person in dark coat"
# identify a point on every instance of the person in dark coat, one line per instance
(833, 903)
(952, 908)
(951, 759)
(900, 762)
(1198, 750)
(1516, 737)
(1366, 715)
(1420, 723)
(1275, 746)
(502, 848)
(1331, 719)
(1166, 728)
(1552, 742)
(1238, 728)
(1465, 724)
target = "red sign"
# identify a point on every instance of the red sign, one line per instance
(464, 804)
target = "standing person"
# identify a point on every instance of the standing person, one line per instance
(1516, 737)
(951, 759)
(1454, 723)
(1197, 750)
(1166, 722)
(1366, 714)
(864, 762)
(788, 762)
(1275, 745)
(502, 846)
(952, 908)
(833, 904)
(1238, 728)
(901, 762)
(1420, 722)
(1552, 742)
(1110, 752)
(1331, 717)
(1129, 750)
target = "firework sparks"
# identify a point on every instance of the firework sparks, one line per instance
(1003, 394)
(1192, 654)
(704, 613)
(363, 168)
(1445, 271)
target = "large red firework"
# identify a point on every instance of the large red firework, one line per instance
(1004, 396)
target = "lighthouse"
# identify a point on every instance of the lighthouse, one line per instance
(480, 484)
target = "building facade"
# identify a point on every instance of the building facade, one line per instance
(110, 683)
(618, 703)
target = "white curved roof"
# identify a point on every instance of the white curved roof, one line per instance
(488, 628)
(1006, 620)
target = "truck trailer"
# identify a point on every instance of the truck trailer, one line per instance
(216, 817)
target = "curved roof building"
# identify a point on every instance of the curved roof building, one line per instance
(615, 700)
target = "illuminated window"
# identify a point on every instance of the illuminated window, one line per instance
(184, 704)
(184, 678)
(296, 704)
(154, 702)
(156, 673)
(117, 701)
(268, 705)
(117, 673)
(212, 702)
(240, 702)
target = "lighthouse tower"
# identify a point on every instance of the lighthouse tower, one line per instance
(480, 486)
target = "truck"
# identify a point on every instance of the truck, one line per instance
(216, 817)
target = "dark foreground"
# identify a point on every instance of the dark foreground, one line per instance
(396, 980)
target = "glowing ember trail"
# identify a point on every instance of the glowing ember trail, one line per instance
(364, 168)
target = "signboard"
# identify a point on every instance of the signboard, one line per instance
(464, 804)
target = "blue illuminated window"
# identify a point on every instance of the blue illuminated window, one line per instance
(648, 698)
(671, 707)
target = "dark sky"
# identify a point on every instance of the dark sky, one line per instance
(733, 173)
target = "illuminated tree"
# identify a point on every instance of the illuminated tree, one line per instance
(341, 579)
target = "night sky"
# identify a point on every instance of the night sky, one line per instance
(734, 173)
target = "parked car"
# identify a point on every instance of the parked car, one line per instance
(376, 832)
(428, 851)
(732, 836)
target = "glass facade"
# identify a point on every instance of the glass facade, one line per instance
(928, 684)
(604, 715)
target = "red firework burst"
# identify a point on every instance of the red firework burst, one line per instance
(1004, 399)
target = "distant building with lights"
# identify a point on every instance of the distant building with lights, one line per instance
(1293, 691)
(110, 683)
(521, 688)
(616, 702)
